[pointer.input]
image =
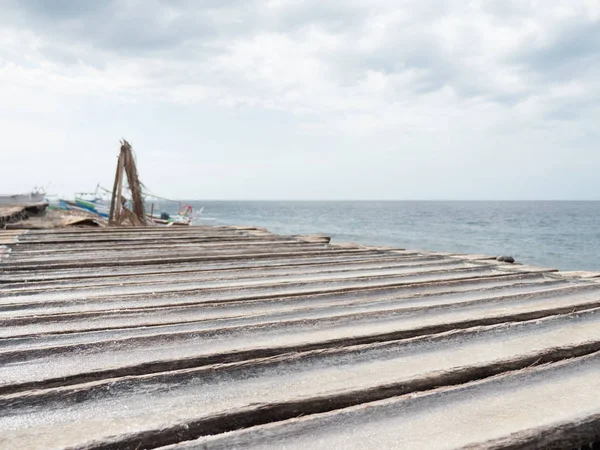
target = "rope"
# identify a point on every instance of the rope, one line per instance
(147, 192)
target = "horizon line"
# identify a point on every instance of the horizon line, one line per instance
(389, 200)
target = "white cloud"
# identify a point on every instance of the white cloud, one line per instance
(383, 71)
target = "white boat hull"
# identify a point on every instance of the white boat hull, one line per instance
(22, 199)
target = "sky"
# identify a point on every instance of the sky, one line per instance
(304, 99)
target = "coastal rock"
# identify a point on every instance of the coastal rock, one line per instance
(506, 259)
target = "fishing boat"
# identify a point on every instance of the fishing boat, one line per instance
(68, 205)
(183, 217)
(91, 202)
(97, 206)
(97, 202)
(31, 198)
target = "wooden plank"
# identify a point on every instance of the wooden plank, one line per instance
(202, 257)
(75, 356)
(133, 254)
(196, 273)
(228, 397)
(15, 323)
(138, 337)
(555, 406)
(208, 280)
(167, 269)
(150, 244)
(225, 291)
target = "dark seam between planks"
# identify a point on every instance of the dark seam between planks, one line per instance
(212, 277)
(296, 262)
(166, 260)
(68, 317)
(561, 436)
(161, 366)
(255, 287)
(138, 278)
(276, 412)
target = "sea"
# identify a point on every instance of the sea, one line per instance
(563, 235)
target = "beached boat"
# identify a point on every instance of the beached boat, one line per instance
(168, 219)
(87, 202)
(96, 206)
(33, 197)
(68, 205)
(95, 203)
(184, 216)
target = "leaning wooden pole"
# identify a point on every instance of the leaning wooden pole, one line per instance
(126, 163)
(135, 186)
(115, 201)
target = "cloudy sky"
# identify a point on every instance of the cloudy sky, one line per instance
(304, 99)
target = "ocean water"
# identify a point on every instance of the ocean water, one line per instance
(561, 235)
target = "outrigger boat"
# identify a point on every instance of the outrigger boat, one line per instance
(96, 206)
(87, 202)
(94, 203)
(183, 217)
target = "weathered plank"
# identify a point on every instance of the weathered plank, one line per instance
(224, 291)
(13, 323)
(221, 328)
(199, 257)
(554, 406)
(166, 269)
(232, 271)
(75, 356)
(215, 281)
(232, 396)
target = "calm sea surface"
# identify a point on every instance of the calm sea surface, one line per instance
(562, 235)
